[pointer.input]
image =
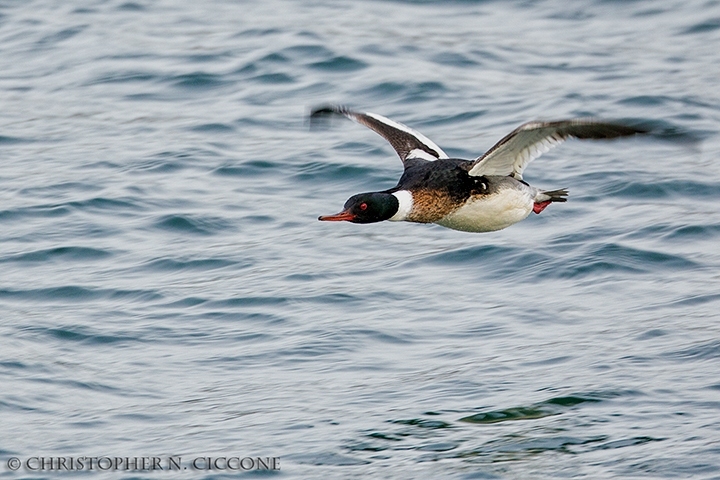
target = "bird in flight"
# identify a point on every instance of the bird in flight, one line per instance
(480, 195)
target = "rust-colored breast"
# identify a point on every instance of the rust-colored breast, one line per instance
(431, 205)
(439, 188)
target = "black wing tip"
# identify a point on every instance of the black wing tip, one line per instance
(328, 109)
(589, 128)
(665, 130)
(319, 115)
(656, 129)
(612, 128)
(635, 127)
(621, 129)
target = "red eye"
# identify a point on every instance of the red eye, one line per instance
(363, 206)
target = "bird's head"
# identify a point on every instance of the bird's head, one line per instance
(366, 208)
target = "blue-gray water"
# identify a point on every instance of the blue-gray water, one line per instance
(166, 288)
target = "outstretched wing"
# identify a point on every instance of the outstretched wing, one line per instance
(407, 142)
(511, 155)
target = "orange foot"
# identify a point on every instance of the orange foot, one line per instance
(540, 206)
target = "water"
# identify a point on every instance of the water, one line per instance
(166, 289)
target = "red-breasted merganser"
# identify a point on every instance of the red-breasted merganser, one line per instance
(480, 195)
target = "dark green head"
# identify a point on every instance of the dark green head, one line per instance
(366, 208)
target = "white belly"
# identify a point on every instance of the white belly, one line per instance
(491, 212)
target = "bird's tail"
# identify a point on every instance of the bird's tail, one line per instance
(552, 196)
(543, 198)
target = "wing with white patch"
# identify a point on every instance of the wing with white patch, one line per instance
(407, 142)
(511, 155)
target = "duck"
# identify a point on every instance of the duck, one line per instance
(485, 194)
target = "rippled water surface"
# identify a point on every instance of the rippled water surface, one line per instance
(167, 290)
